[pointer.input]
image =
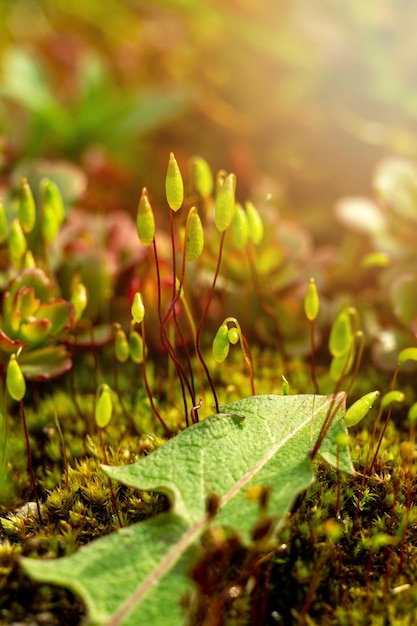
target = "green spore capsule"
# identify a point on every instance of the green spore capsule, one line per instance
(121, 345)
(15, 381)
(195, 236)
(311, 301)
(52, 200)
(256, 226)
(360, 408)
(285, 386)
(79, 300)
(174, 186)
(224, 206)
(104, 406)
(341, 336)
(136, 346)
(3, 223)
(408, 354)
(202, 176)
(27, 209)
(145, 221)
(392, 396)
(137, 308)
(17, 245)
(412, 413)
(233, 335)
(221, 344)
(341, 365)
(240, 227)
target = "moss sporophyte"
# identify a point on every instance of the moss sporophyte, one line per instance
(245, 527)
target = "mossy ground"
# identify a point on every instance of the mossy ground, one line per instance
(346, 555)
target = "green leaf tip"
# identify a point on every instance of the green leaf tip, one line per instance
(145, 221)
(174, 186)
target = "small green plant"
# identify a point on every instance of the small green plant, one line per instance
(238, 514)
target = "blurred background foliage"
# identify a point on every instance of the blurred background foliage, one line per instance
(300, 99)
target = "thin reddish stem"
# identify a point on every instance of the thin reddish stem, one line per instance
(203, 318)
(148, 390)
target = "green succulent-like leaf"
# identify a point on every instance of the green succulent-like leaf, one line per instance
(44, 364)
(35, 332)
(9, 345)
(26, 301)
(59, 313)
(28, 278)
(139, 574)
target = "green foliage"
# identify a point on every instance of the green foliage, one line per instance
(208, 543)
(160, 550)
